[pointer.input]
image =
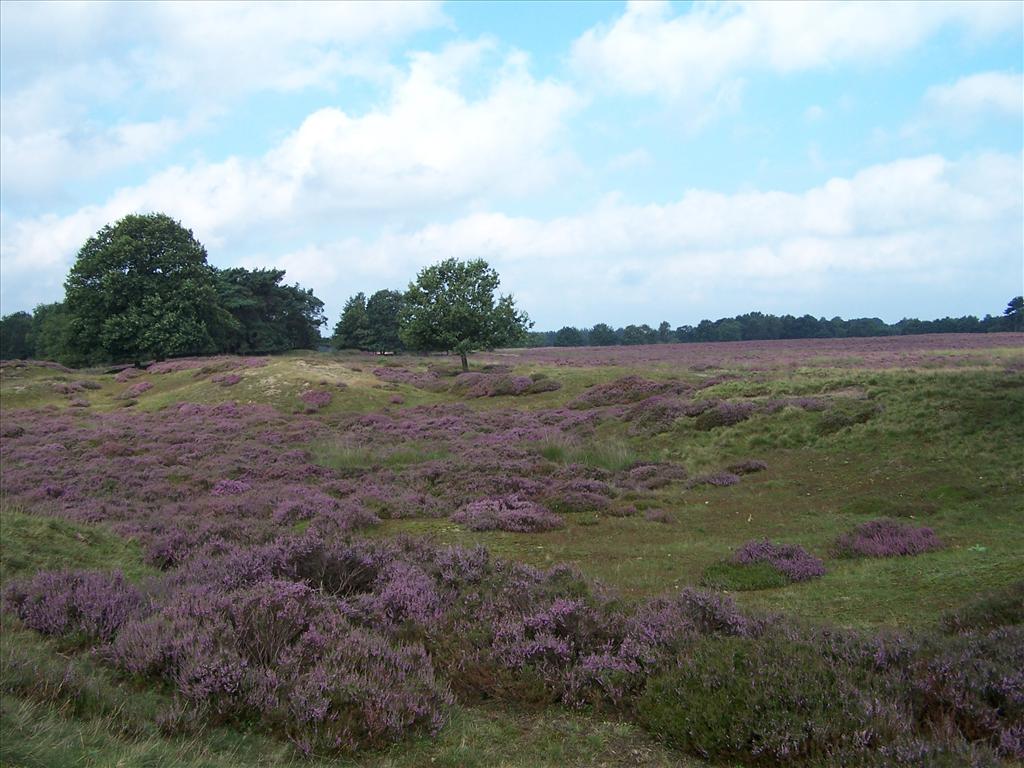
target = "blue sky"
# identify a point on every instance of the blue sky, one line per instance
(616, 163)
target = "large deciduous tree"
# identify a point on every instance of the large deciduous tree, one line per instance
(453, 307)
(141, 288)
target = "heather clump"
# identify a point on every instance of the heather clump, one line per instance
(747, 467)
(628, 389)
(973, 686)
(476, 384)
(886, 538)
(990, 610)
(724, 414)
(651, 475)
(790, 560)
(716, 479)
(92, 605)
(315, 399)
(508, 513)
(277, 651)
(769, 701)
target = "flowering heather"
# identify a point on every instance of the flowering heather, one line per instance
(717, 479)
(628, 389)
(649, 476)
(127, 374)
(508, 513)
(316, 398)
(136, 389)
(226, 379)
(421, 380)
(91, 604)
(659, 516)
(747, 467)
(725, 414)
(791, 560)
(229, 487)
(886, 538)
(785, 354)
(218, 362)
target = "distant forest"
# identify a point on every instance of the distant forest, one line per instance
(756, 326)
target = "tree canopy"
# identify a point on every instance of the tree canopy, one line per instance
(141, 288)
(266, 316)
(452, 307)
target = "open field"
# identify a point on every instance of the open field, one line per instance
(349, 494)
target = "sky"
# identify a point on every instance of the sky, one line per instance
(618, 163)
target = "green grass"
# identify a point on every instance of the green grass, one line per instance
(942, 447)
(30, 543)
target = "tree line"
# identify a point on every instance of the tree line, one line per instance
(141, 289)
(756, 326)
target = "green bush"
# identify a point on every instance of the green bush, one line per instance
(769, 701)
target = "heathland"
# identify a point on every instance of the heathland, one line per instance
(792, 552)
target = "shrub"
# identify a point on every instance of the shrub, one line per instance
(791, 560)
(886, 538)
(973, 685)
(509, 513)
(659, 516)
(769, 701)
(718, 479)
(91, 604)
(747, 467)
(846, 414)
(316, 399)
(724, 415)
(276, 651)
(1000, 608)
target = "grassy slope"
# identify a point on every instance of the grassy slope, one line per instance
(945, 451)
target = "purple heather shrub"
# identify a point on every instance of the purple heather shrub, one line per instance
(886, 538)
(718, 479)
(659, 516)
(92, 604)
(725, 414)
(507, 513)
(301, 502)
(316, 398)
(791, 560)
(396, 400)
(566, 501)
(277, 651)
(229, 487)
(135, 390)
(974, 685)
(127, 374)
(747, 467)
(650, 476)
(458, 566)
(628, 389)
(226, 379)
(79, 402)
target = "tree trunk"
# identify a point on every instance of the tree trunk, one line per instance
(465, 362)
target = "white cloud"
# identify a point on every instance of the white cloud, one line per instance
(694, 53)
(905, 223)
(63, 62)
(427, 149)
(983, 92)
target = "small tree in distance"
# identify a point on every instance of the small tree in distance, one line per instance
(451, 307)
